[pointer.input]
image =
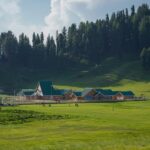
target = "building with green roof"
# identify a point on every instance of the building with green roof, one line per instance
(46, 90)
(26, 92)
(128, 93)
(124, 95)
(78, 95)
(88, 93)
(104, 94)
(113, 95)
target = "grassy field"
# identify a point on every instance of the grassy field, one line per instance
(103, 126)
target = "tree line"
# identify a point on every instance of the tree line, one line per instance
(120, 35)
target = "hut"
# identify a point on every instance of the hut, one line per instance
(26, 93)
(124, 95)
(89, 94)
(104, 94)
(68, 95)
(45, 90)
(78, 95)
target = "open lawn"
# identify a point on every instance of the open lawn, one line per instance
(103, 126)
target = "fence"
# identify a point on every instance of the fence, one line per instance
(16, 100)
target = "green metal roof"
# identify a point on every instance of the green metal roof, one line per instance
(107, 92)
(26, 92)
(57, 92)
(127, 93)
(78, 93)
(64, 91)
(48, 89)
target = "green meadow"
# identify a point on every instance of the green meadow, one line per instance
(96, 126)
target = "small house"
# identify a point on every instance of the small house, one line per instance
(71, 95)
(79, 95)
(104, 94)
(45, 90)
(89, 94)
(26, 93)
(68, 95)
(124, 95)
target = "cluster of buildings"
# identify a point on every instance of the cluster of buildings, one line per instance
(46, 91)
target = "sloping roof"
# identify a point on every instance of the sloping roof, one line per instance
(78, 93)
(57, 92)
(109, 92)
(66, 91)
(127, 93)
(26, 92)
(46, 87)
(106, 92)
(86, 91)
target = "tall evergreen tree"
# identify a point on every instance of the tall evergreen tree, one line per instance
(9, 46)
(24, 51)
(144, 30)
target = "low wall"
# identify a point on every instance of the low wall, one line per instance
(24, 101)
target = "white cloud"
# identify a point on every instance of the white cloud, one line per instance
(9, 11)
(65, 12)
(11, 19)
(9, 7)
(62, 13)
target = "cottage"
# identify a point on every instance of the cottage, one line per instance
(78, 95)
(26, 93)
(124, 95)
(45, 90)
(68, 95)
(71, 95)
(57, 94)
(107, 94)
(104, 94)
(89, 94)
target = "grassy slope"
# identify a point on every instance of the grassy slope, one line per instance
(112, 73)
(103, 126)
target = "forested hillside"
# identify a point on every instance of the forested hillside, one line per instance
(123, 36)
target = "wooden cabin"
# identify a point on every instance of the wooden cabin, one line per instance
(68, 95)
(89, 94)
(78, 95)
(108, 94)
(46, 91)
(26, 94)
(72, 95)
(124, 95)
(104, 94)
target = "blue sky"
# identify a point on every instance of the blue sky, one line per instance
(34, 11)
(49, 15)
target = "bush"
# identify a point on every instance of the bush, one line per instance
(22, 116)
